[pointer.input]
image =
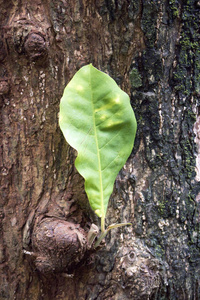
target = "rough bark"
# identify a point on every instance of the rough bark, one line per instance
(151, 48)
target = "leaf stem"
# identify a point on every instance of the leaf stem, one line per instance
(102, 224)
(101, 237)
(105, 231)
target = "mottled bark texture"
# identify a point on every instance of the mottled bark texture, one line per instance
(152, 50)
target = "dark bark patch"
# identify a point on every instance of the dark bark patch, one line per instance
(35, 46)
(4, 87)
(2, 50)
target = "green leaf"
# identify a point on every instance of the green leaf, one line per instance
(97, 120)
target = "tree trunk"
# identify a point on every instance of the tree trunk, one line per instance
(151, 48)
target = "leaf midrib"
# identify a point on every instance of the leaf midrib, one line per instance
(98, 154)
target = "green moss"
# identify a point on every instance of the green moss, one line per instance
(149, 21)
(174, 6)
(135, 78)
(189, 55)
(159, 251)
(161, 208)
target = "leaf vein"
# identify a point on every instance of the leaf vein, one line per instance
(98, 154)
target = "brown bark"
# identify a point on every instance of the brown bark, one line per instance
(151, 49)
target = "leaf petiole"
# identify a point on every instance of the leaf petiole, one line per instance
(102, 224)
(104, 233)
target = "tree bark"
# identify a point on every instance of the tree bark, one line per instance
(151, 48)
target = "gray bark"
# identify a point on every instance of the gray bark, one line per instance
(151, 49)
